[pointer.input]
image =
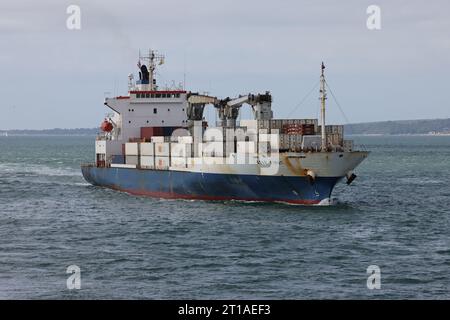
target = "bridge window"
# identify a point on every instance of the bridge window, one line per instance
(138, 95)
(147, 95)
(158, 95)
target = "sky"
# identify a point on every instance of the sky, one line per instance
(52, 76)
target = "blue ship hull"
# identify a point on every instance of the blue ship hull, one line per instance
(211, 186)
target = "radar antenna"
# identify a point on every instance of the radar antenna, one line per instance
(153, 59)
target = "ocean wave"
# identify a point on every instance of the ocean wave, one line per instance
(420, 180)
(38, 169)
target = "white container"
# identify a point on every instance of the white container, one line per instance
(148, 162)
(311, 142)
(100, 146)
(180, 150)
(198, 150)
(246, 147)
(178, 162)
(162, 149)
(134, 160)
(157, 139)
(213, 149)
(147, 148)
(162, 163)
(131, 149)
(265, 137)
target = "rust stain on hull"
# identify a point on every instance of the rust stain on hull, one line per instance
(294, 166)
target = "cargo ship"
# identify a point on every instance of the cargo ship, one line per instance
(157, 142)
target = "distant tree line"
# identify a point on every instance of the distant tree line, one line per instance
(400, 127)
(382, 127)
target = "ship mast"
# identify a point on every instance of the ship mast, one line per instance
(151, 67)
(323, 97)
(153, 58)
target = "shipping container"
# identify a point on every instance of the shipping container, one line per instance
(147, 148)
(180, 150)
(131, 149)
(157, 139)
(266, 148)
(229, 147)
(197, 150)
(311, 142)
(178, 162)
(331, 129)
(295, 142)
(147, 162)
(213, 149)
(162, 149)
(246, 147)
(132, 159)
(334, 139)
(100, 146)
(162, 163)
(284, 141)
(272, 138)
(303, 129)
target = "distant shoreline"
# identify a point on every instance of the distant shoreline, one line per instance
(426, 127)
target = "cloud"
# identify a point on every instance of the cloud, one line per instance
(229, 47)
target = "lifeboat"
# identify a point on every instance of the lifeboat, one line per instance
(106, 126)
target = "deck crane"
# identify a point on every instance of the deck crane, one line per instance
(228, 109)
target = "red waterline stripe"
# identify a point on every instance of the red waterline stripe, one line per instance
(166, 195)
